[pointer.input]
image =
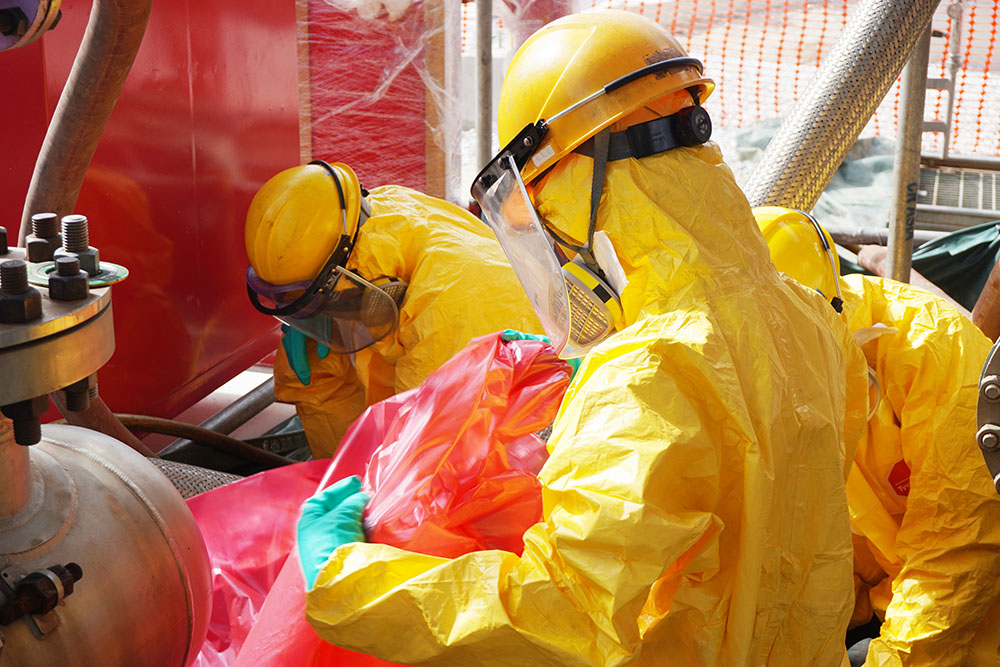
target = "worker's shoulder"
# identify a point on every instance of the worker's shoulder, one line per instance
(415, 207)
(905, 307)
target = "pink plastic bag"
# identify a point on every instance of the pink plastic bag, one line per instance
(249, 530)
(452, 468)
(281, 636)
(457, 468)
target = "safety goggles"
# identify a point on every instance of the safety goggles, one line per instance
(348, 314)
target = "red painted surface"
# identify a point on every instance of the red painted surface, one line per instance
(209, 112)
(380, 134)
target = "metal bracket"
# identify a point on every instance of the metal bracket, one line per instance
(39, 624)
(988, 414)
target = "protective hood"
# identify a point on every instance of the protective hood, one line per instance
(671, 251)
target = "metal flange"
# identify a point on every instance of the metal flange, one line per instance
(71, 340)
(988, 414)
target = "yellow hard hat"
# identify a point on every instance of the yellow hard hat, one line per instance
(297, 218)
(616, 53)
(801, 248)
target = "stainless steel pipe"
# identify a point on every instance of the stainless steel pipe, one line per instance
(849, 85)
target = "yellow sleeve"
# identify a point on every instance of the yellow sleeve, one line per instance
(328, 405)
(616, 517)
(948, 543)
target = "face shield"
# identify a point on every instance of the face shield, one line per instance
(574, 317)
(565, 282)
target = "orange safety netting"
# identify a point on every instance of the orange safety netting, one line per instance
(762, 54)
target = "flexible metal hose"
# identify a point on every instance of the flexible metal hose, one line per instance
(849, 85)
(113, 36)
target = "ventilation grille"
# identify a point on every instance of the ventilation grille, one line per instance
(960, 188)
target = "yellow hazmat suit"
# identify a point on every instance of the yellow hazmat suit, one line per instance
(923, 508)
(460, 286)
(694, 508)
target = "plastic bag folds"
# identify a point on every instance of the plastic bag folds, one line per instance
(457, 467)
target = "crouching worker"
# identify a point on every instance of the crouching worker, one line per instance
(375, 289)
(925, 515)
(693, 500)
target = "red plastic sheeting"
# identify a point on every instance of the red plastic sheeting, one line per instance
(471, 422)
(383, 91)
(248, 535)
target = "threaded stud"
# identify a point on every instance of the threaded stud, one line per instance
(44, 225)
(75, 233)
(14, 277)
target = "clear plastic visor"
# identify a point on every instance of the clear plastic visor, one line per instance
(528, 247)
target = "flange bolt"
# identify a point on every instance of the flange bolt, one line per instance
(990, 388)
(989, 437)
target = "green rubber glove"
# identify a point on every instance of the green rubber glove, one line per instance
(513, 334)
(294, 342)
(330, 519)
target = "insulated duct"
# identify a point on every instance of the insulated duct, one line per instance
(114, 33)
(849, 85)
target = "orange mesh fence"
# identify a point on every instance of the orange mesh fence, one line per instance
(762, 54)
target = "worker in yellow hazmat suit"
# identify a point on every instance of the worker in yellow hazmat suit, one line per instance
(925, 515)
(694, 509)
(389, 283)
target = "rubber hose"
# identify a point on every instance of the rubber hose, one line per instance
(203, 436)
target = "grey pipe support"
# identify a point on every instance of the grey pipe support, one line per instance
(112, 39)
(484, 80)
(849, 85)
(847, 235)
(954, 65)
(234, 415)
(903, 212)
(242, 409)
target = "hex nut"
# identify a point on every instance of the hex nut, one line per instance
(990, 388)
(69, 288)
(18, 308)
(13, 22)
(90, 260)
(40, 249)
